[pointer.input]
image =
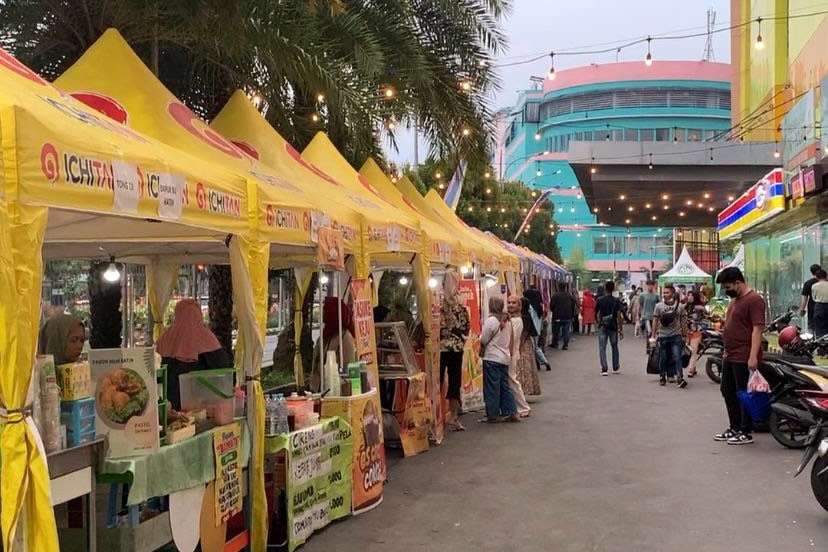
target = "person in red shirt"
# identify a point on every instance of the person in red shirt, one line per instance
(744, 323)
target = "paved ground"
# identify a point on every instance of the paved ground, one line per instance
(605, 464)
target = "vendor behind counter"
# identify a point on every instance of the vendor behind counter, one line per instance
(62, 336)
(189, 345)
(331, 337)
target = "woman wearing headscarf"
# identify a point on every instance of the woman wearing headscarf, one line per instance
(514, 306)
(454, 330)
(331, 337)
(62, 336)
(188, 345)
(527, 364)
(587, 312)
(496, 342)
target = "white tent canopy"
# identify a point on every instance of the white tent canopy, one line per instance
(685, 271)
(738, 260)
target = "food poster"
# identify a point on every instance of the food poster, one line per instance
(126, 400)
(228, 491)
(319, 462)
(470, 298)
(330, 250)
(471, 392)
(369, 467)
(365, 338)
(416, 418)
(435, 392)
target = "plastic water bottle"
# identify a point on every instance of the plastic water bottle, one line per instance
(281, 411)
(270, 415)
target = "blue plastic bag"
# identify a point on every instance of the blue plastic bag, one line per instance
(757, 404)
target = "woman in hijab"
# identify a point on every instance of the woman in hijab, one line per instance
(189, 345)
(496, 344)
(62, 336)
(331, 336)
(514, 306)
(587, 312)
(454, 330)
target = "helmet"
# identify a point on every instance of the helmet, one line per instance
(788, 336)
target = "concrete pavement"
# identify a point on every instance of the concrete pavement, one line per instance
(605, 464)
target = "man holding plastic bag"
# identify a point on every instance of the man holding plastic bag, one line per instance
(743, 327)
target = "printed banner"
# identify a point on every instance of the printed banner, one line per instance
(472, 383)
(227, 448)
(318, 464)
(369, 467)
(416, 418)
(125, 187)
(329, 249)
(365, 338)
(470, 298)
(435, 392)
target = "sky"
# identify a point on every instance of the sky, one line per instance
(536, 27)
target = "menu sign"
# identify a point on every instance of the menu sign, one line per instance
(365, 338)
(126, 399)
(329, 248)
(227, 448)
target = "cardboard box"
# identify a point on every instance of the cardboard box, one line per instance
(74, 381)
(78, 417)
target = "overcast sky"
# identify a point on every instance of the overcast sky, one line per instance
(536, 27)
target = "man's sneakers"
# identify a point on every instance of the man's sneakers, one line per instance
(604, 373)
(616, 370)
(741, 439)
(682, 383)
(724, 435)
(734, 437)
(662, 382)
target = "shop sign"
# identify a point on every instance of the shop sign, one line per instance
(228, 491)
(319, 462)
(759, 203)
(330, 250)
(799, 132)
(472, 376)
(797, 186)
(416, 418)
(365, 334)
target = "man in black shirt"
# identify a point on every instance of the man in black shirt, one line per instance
(807, 304)
(562, 307)
(607, 312)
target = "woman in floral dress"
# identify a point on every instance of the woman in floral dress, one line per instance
(454, 330)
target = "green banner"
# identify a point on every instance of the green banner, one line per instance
(319, 464)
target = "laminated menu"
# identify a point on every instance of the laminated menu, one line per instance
(126, 400)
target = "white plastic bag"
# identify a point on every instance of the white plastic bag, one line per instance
(757, 384)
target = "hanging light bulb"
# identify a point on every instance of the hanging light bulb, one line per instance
(488, 209)
(537, 135)
(551, 75)
(323, 279)
(441, 186)
(403, 280)
(648, 59)
(539, 173)
(648, 205)
(466, 132)
(593, 170)
(389, 92)
(654, 217)
(469, 208)
(320, 98)
(706, 195)
(534, 193)
(488, 190)
(112, 274)
(572, 209)
(315, 118)
(503, 209)
(622, 197)
(487, 175)
(730, 198)
(432, 282)
(438, 174)
(650, 166)
(759, 44)
(465, 269)
(466, 86)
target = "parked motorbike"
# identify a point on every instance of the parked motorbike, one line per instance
(816, 444)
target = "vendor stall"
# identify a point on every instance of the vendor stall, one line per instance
(685, 271)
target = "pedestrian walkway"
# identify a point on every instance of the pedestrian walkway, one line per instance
(605, 464)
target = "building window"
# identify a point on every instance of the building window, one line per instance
(600, 245)
(647, 134)
(662, 134)
(531, 112)
(631, 135)
(694, 135)
(678, 135)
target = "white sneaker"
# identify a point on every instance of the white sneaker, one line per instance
(604, 373)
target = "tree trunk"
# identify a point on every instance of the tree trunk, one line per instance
(104, 308)
(220, 305)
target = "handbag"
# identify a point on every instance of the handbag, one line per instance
(653, 361)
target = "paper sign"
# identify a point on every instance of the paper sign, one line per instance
(125, 187)
(227, 448)
(126, 399)
(416, 419)
(330, 250)
(393, 237)
(365, 338)
(170, 192)
(318, 220)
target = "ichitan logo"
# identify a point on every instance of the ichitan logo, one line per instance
(49, 162)
(103, 104)
(10, 62)
(188, 120)
(247, 148)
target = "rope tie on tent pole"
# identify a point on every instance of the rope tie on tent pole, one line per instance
(257, 377)
(15, 415)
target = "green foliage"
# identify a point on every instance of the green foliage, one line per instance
(291, 51)
(576, 263)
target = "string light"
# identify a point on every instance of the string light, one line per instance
(627, 221)
(389, 92)
(630, 208)
(551, 75)
(706, 195)
(441, 185)
(622, 197)
(488, 209)
(681, 213)
(488, 190)
(466, 86)
(537, 135)
(469, 208)
(648, 59)
(539, 173)
(759, 44)
(487, 175)
(320, 98)
(654, 217)
(466, 132)
(665, 207)
(315, 118)
(650, 166)
(730, 198)
(648, 205)
(503, 209)
(438, 174)
(665, 197)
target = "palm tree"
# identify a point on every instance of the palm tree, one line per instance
(358, 69)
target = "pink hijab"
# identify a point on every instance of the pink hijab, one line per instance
(188, 337)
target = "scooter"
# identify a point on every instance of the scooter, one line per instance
(816, 444)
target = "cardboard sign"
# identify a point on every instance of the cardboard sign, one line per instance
(470, 298)
(227, 449)
(330, 251)
(319, 468)
(125, 187)
(416, 418)
(170, 193)
(126, 399)
(365, 335)
(369, 468)
(471, 392)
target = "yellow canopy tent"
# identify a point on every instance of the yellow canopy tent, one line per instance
(82, 181)
(390, 231)
(111, 78)
(241, 123)
(442, 246)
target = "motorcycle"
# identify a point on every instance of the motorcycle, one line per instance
(816, 444)
(788, 374)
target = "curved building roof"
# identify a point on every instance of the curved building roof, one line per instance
(638, 71)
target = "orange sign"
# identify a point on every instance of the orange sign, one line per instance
(329, 250)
